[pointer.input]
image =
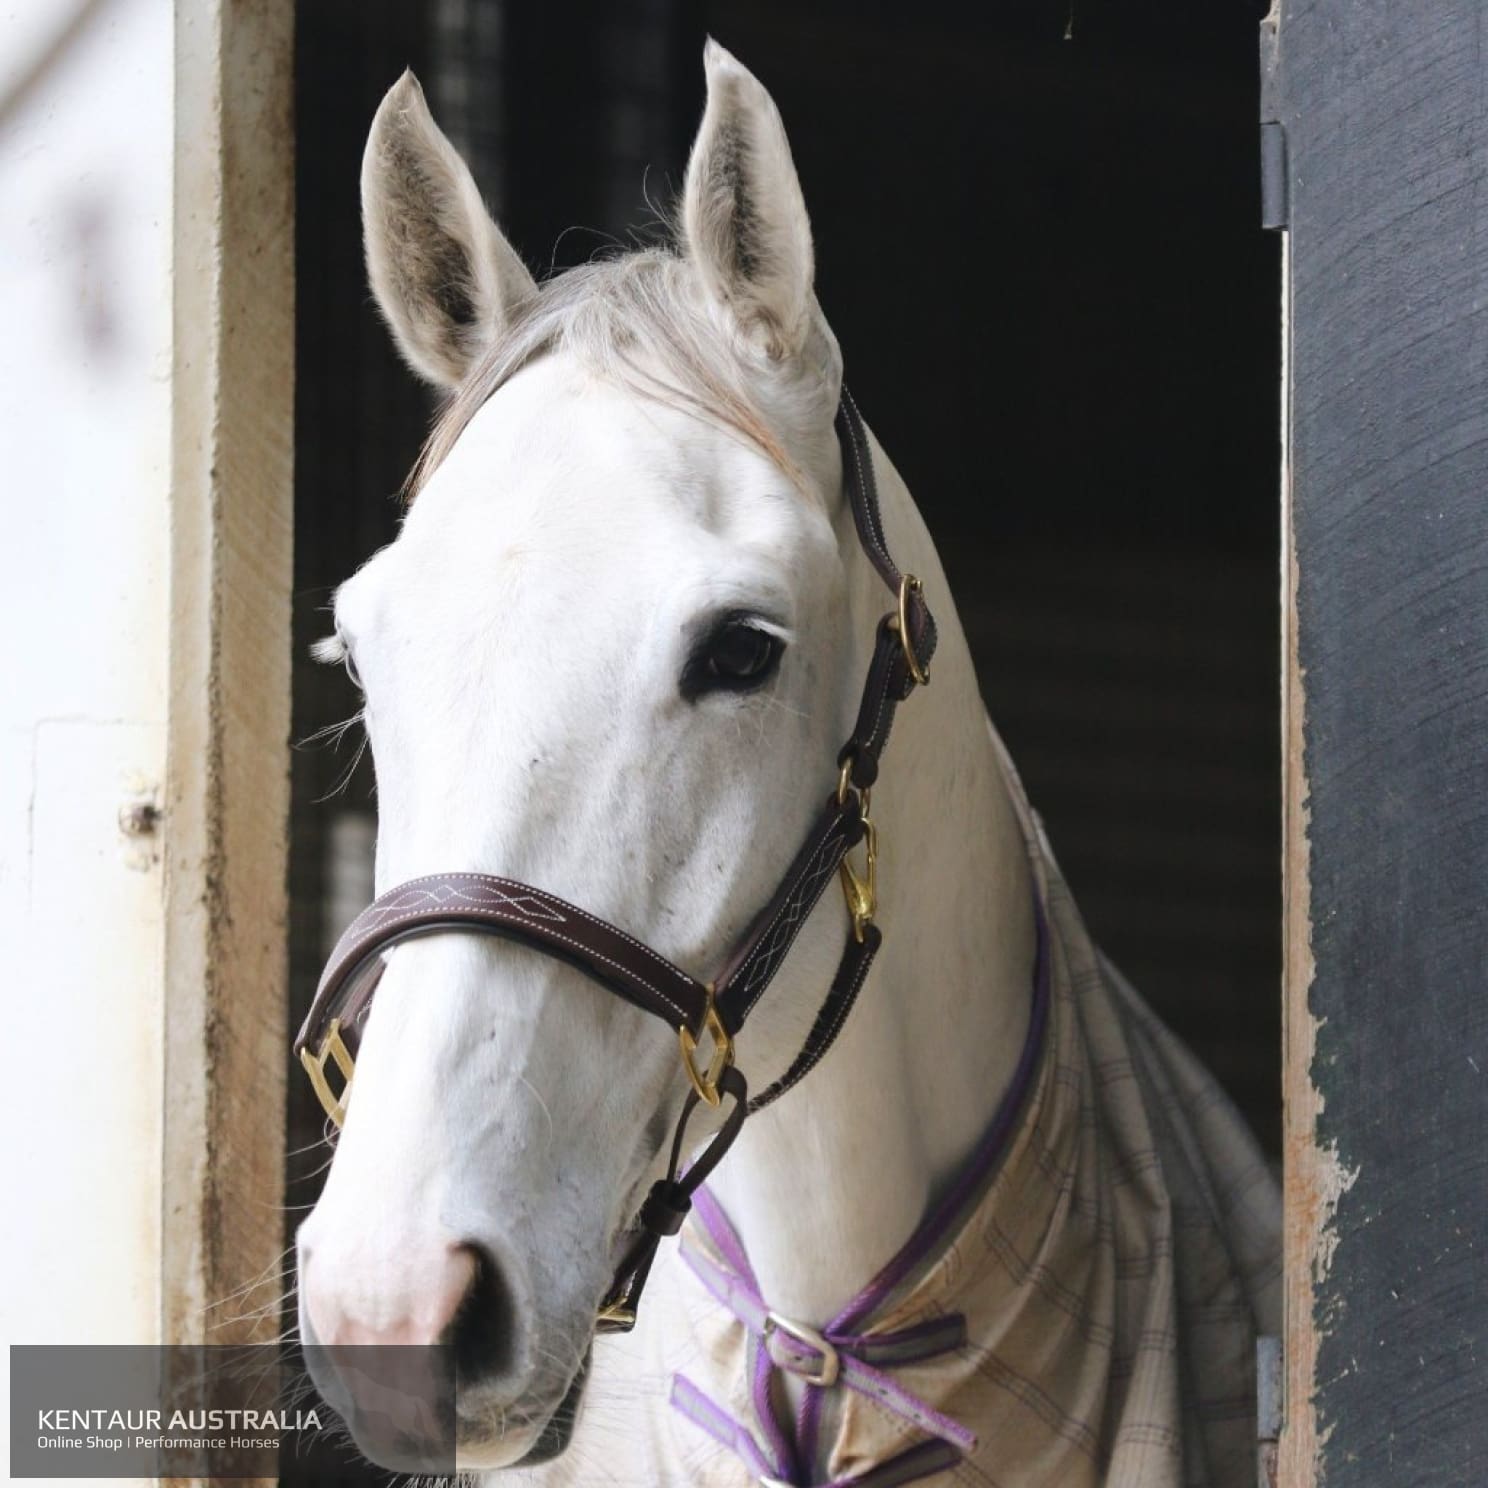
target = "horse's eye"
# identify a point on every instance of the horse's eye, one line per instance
(735, 657)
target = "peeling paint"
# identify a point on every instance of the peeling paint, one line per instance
(1332, 1180)
(1310, 1195)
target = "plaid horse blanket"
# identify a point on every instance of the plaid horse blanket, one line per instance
(1086, 1315)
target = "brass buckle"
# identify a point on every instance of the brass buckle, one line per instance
(910, 585)
(824, 1376)
(615, 1317)
(331, 1047)
(861, 889)
(705, 1082)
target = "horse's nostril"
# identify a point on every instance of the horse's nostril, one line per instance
(482, 1333)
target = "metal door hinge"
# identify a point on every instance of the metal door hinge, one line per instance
(1270, 1383)
(1276, 205)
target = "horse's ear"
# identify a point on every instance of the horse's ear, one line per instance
(444, 277)
(743, 215)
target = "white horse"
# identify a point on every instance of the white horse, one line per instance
(613, 652)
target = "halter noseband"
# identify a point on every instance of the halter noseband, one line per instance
(697, 1010)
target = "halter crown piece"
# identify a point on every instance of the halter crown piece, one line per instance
(709, 1012)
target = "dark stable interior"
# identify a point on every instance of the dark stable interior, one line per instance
(1037, 234)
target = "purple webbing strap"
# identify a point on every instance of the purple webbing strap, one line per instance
(938, 1336)
(724, 1429)
(924, 1460)
(705, 1206)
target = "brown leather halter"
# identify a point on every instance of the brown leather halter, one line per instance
(490, 905)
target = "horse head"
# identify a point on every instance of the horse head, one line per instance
(612, 652)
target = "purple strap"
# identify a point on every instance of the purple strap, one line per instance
(922, 1461)
(797, 1356)
(858, 1353)
(723, 1428)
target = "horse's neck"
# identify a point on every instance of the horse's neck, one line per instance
(826, 1185)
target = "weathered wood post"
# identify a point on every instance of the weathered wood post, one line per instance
(1380, 175)
(226, 958)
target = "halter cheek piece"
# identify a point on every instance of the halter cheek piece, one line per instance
(702, 1013)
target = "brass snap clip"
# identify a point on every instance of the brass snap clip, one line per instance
(861, 889)
(616, 1316)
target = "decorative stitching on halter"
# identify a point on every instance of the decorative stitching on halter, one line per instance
(583, 914)
(823, 1045)
(775, 942)
(588, 951)
(877, 537)
(874, 738)
(531, 903)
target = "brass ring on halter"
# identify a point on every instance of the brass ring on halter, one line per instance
(844, 780)
(910, 585)
(845, 788)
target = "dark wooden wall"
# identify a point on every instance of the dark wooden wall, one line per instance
(1386, 120)
(1037, 234)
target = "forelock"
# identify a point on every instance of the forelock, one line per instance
(640, 321)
